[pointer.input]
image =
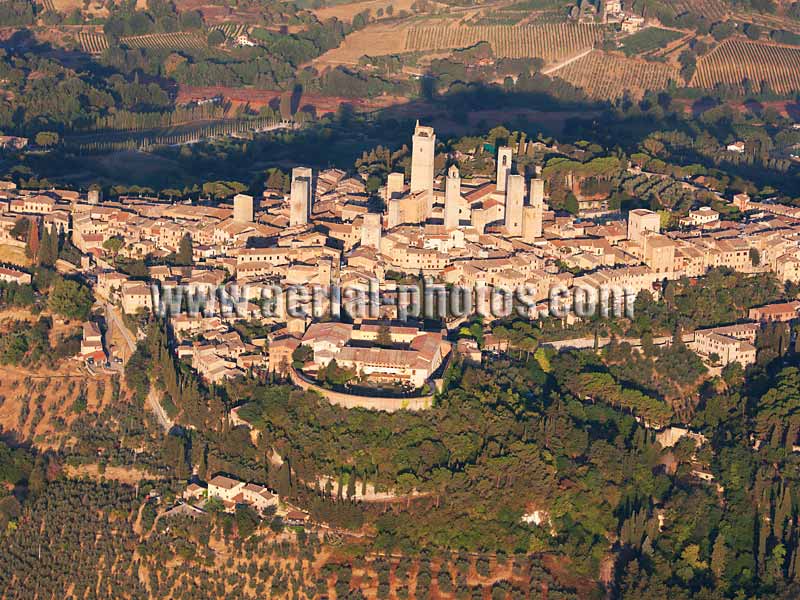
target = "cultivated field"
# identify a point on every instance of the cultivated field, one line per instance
(606, 76)
(649, 39)
(92, 8)
(221, 13)
(177, 39)
(712, 10)
(375, 40)
(39, 405)
(346, 11)
(92, 42)
(768, 21)
(733, 61)
(65, 6)
(255, 98)
(552, 41)
(231, 30)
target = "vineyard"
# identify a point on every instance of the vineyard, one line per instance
(48, 5)
(734, 61)
(648, 40)
(552, 42)
(712, 10)
(231, 30)
(92, 42)
(606, 76)
(768, 21)
(176, 40)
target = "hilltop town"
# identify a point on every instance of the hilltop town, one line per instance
(497, 233)
(400, 299)
(199, 308)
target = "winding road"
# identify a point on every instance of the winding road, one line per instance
(153, 399)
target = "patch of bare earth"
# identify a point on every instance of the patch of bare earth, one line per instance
(127, 475)
(346, 12)
(378, 39)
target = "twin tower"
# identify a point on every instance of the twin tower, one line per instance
(520, 220)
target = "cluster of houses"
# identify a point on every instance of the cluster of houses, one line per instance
(496, 232)
(231, 492)
(737, 342)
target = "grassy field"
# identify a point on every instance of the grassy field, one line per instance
(648, 40)
(14, 255)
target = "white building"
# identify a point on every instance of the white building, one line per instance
(705, 215)
(737, 147)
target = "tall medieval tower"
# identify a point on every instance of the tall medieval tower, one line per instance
(423, 152)
(505, 157)
(452, 198)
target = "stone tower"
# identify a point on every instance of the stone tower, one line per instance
(243, 208)
(452, 198)
(515, 198)
(394, 186)
(504, 159)
(300, 196)
(533, 215)
(423, 152)
(307, 174)
(640, 221)
(371, 231)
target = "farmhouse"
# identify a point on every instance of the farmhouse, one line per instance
(232, 492)
(737, 147)
(92, 343)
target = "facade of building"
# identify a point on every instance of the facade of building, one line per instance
(729, 344)
(782, 311)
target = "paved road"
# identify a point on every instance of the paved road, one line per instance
(153, 397)
(155, 405)
(112, 318)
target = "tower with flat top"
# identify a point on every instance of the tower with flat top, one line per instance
(515, 198)
(300, 196)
